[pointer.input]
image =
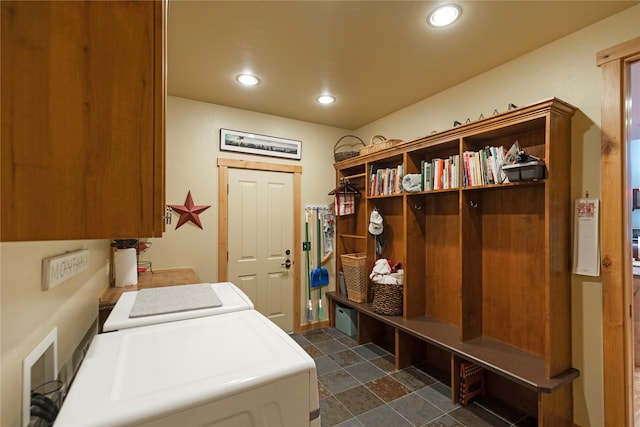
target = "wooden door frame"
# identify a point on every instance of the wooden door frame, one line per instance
(223, 205)
(616, 255)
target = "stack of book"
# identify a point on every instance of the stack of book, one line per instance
(440, 174)
(384, 182)
(483, 167)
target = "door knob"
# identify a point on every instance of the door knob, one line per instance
(287, 264)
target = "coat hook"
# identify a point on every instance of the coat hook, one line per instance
(167, 214)
(586, 194)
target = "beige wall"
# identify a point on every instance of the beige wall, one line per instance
(565, 69)
(193, 147)
(29, 314)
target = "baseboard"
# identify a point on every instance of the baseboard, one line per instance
(313, 326)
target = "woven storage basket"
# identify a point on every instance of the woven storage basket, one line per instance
(387, 299)
(351, 150)
(379, 143)
(355, 276)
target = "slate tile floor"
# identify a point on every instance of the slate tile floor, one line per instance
(359, 386)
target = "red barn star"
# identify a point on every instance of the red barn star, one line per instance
(189, 211)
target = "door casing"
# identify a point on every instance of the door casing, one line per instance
(616, 255)
(223, 238)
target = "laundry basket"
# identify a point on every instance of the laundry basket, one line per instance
(387, 299)
(355, 276)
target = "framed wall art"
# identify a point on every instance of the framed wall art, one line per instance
(263, 145)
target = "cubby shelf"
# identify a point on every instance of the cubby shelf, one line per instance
(516, 365)
(486, 267)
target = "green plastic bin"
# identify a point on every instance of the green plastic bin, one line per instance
(347, 320)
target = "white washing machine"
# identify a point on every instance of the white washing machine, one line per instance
(238, 369)
(230, 297)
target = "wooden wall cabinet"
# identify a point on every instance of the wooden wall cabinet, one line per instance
(83, 119)
(487, 267)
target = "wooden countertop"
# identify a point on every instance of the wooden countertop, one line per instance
(155, 279)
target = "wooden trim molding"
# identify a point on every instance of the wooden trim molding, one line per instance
(223, 219)
(224, 165)
(616, 237)
(620, 51)
(246, 164)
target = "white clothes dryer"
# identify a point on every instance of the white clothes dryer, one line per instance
(238, 369)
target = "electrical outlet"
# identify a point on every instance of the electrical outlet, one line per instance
(39, 367)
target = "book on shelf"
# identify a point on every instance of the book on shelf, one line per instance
(483, 167)
(386, 181)
(440, 174)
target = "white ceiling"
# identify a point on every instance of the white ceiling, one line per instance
(376, 57)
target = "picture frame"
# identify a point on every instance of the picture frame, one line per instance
(262, 145)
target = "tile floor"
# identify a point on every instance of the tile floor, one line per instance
(359, 386)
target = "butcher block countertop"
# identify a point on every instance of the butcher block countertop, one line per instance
(155, 279)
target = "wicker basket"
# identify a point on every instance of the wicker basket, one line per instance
(387, 299)
(379, 143)
(346, 154)
(355, 276)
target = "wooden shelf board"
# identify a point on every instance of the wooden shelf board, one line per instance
(444, 190)
(468, 188)
(352, 236)
(355, 176)
(505, 185)
(386, 196)
(517, 365)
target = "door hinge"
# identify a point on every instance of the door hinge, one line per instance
(227, 188)
(630, 310)
(227, 256)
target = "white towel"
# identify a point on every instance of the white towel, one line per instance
(411, 182)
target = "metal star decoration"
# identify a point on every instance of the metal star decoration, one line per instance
(189, 212)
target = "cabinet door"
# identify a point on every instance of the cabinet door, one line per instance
(82, 120)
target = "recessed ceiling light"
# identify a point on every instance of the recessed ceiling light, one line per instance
(247, 79)
(444, 15)
(326, 99)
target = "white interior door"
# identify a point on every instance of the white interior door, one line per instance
(260, 234)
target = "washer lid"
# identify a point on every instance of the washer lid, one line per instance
(138, 374)
(233, 299)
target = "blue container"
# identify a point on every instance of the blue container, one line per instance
(347, 320)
